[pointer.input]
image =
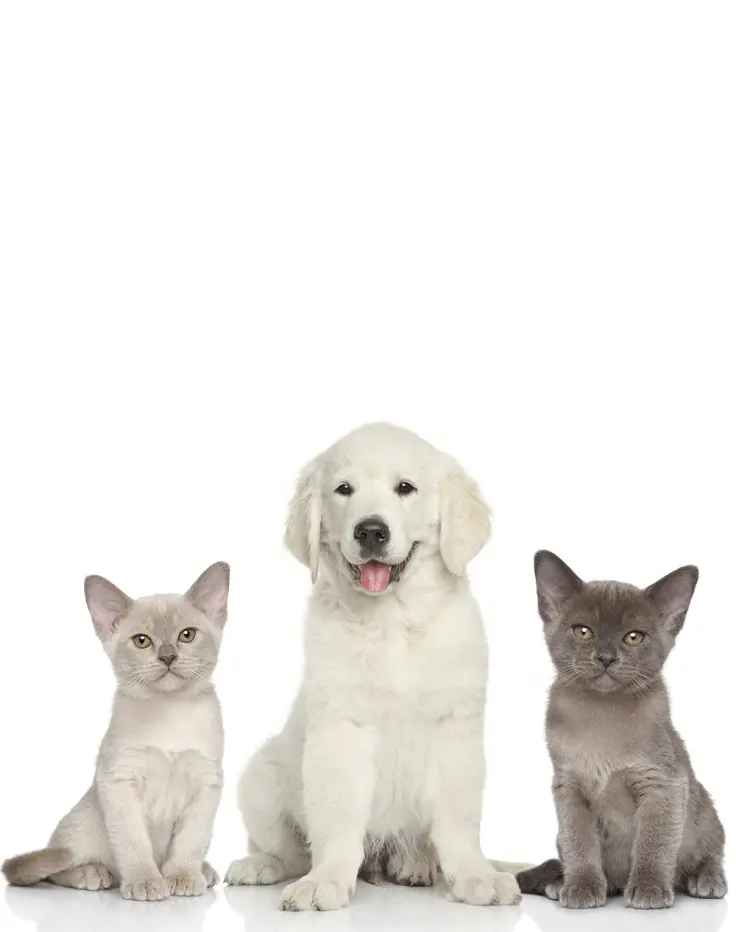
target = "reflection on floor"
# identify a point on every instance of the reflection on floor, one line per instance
(374, 908)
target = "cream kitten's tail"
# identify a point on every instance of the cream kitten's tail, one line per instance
(36, 866)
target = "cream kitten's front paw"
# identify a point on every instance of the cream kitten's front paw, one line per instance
(144, 886)
(85, 877)
(185, 881)
(210, 875)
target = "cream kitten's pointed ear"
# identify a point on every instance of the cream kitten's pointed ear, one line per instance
(671, 596)
(209, 593)
(106, 603)
(465, 520)
(304, 521)
(556, 583)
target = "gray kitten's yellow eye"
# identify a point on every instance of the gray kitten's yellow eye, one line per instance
(141, 640)
(582, 632)
(187, 635)
(633, 638)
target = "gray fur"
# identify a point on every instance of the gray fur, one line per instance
(632, 817)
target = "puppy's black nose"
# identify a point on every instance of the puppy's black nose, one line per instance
(372, 534)
(167, 655)
(606, 660)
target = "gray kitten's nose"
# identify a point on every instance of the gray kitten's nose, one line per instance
(606, 660)
(167, 654)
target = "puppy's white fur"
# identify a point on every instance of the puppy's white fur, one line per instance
(381, 762)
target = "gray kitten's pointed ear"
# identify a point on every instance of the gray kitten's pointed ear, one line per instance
(556, 583)
(671, 596)
(209, 593)
(106, 603)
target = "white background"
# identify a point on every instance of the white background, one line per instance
(232, 232)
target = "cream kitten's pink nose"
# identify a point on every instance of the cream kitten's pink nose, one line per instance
(167, 654)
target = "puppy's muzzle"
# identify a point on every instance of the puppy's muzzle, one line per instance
(372, 534)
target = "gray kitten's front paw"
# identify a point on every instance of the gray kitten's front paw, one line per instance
(583, 891)
(144, 887)
(710, 883)
(640, 894)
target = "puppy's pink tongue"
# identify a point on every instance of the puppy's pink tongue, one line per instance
(375, 576)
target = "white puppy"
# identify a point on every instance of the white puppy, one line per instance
(381, 762)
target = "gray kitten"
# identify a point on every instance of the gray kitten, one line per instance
(145, 823)
(632, 817)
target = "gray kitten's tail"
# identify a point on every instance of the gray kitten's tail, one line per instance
(36, 866)
(537, 879)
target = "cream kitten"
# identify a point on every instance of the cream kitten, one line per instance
(146, 821)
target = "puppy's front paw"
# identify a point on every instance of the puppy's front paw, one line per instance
(641, 894)
(316, 894)
(144, 887)
(491, 888)
(582, 892)
(256, 869)
(185, 881)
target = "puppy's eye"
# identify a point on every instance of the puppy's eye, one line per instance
(187, 635)
(582, 632)
(634, 638)
(344, 489)
(405, 488)
(141, 640)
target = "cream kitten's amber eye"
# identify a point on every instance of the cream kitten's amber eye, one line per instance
(187, 635)
(634, 638)
(141, 640)
(582, 632)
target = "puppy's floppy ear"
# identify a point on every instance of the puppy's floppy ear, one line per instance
(304, 521)
(465, 519)
(671, 596)
(556, 583)
(209, 592)
(106, 603)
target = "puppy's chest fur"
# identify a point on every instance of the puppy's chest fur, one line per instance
(398, 672)
(400, 681)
